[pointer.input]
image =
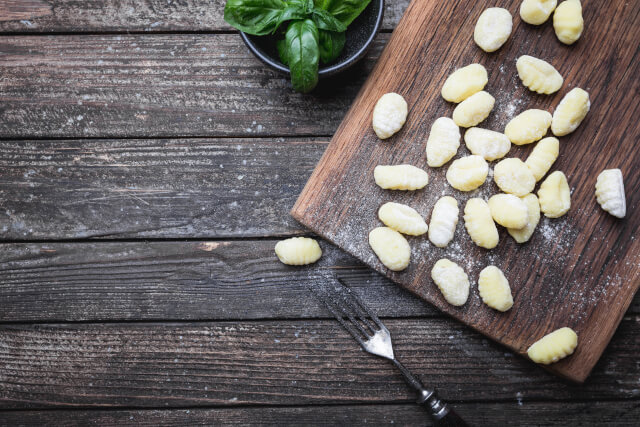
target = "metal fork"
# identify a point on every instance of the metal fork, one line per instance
(375, 338)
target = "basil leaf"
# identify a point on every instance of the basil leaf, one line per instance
(294, 11)
(257, 17)
(303, 54)
(331, 45)
(344, 11)
(283, 51)
(325, 21)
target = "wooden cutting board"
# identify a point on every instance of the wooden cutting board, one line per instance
(581, 270)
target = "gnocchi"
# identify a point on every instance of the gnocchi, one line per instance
(452, 281)
(610, 192)
(493, 28)
(536, 12)
(522, 235)
(474, 109)
(468, 173)
(400, 177)
(570, 112)
(487, 143)
(402, 218)
(528, 126)
(444, 220)
(389, 115)
(514, 177)
(542, 157)
(390, 247)
(464, 82)
(538, 75)
(298, 251)
(508, 210)
(567, 21)
(479, 223)
(494, 289)
(443, 142)
(554, 346)
(554, 195)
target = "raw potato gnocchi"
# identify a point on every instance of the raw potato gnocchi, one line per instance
(468, 173)
(538, 75)
(298, 251)
(528, 126)
(610, 192)
(474, 109)
(389, 115)
(443, 142)
(567, 21)
(494, 289)
(487, 143)
(522, 235)
(514, 177)
(554, 195)
(554, 346)
(444, 220)
(508, 210)
(402, 218)
(464, 82)
(400, 177)
(452, 281)
(536, 12)
(479, 223)
(570, 112)
(391, 248)
(542, 157)
(493, 29)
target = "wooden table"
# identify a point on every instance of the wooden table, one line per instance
(147, 166)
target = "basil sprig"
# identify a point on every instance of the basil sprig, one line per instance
(315, 30)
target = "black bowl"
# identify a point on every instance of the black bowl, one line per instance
(360, 35)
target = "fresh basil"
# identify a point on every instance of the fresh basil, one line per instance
(283, 51)
(344, 11)
(257, 17)
(301, 40)
(331, 45)
(325, 21)
(294, 11)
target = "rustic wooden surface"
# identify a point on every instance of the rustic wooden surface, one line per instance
(580, 271)
(137, 278)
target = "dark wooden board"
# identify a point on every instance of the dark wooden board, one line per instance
(279, 362)
(581, 270)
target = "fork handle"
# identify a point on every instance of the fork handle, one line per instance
(441, 414)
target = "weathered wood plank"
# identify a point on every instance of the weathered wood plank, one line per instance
(279, 362)
(42, 16)
(607, 413)
(160, 85)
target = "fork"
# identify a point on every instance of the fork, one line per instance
(375, 338)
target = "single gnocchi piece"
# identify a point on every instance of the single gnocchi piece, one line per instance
(493, 28)
(536, 12)
(389, 115)
(538, 75)
(554, 346)
(508, 210)
(402, 218)
(542, 157)
(390, 247)
(489, 144)
(522, 235)
(555, 195)
(494, 289)
(444, 219)
(443, 142)
(452, 281)
(514, 177)
(464, 82)
(400, 177)
(468, 173)
(610, 192)
(570, 112)
(567, 21)
(479, 223)
(528, 126)
(474, 109)
(298, 251)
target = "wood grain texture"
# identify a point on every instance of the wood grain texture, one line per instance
(279, 362)
(579, 271)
